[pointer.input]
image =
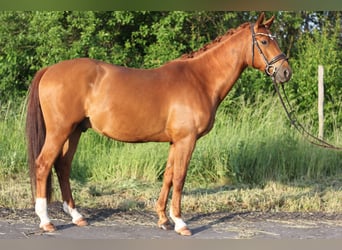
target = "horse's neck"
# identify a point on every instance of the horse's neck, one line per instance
(221, 66)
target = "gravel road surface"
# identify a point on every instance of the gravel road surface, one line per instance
(117, 224)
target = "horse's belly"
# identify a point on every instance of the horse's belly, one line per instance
(130, 129)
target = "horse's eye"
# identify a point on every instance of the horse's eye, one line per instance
(264, 42)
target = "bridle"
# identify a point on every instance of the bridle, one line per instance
(271, 70)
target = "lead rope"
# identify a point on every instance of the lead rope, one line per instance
(298, 126)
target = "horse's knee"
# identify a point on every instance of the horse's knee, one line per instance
(178, 183)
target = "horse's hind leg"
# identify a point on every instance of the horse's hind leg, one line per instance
(63, 168)
(50, 150)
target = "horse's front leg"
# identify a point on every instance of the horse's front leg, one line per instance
(182, 156)
(163, 221)
(175, 174)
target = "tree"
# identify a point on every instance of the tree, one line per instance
(15, 54)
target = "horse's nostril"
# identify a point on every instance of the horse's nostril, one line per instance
(287, 74)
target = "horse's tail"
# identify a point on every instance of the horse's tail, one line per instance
(35, 132)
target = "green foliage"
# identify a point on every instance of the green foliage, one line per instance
(14, 54)
(320, 47)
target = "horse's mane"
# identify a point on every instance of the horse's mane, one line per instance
(214, 42)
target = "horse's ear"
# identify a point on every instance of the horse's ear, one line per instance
(269, 22)
(260, 20)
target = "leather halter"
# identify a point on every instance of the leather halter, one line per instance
(269, 64)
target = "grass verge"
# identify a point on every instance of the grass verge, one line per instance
(298, 196)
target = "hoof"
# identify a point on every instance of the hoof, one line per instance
(184, 231)
(81, 222)
(48, 227)
(165, 226)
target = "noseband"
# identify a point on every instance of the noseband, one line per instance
(271, 70)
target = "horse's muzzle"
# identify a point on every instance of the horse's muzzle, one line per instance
(283, 74)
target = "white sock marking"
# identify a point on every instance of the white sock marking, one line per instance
(72, 212)
(41, 211)
(179, 223)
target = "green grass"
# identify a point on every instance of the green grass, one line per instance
(12, 139)
(251, 160)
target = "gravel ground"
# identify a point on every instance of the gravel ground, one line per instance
(118, 224)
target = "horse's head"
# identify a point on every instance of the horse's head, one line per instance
(266, 55)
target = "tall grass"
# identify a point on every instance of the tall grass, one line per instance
(258, 145)
(252, 146)
(12, 138)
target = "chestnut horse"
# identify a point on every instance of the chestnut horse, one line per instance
(174, 103)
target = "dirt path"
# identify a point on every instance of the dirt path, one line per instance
(116, 224)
